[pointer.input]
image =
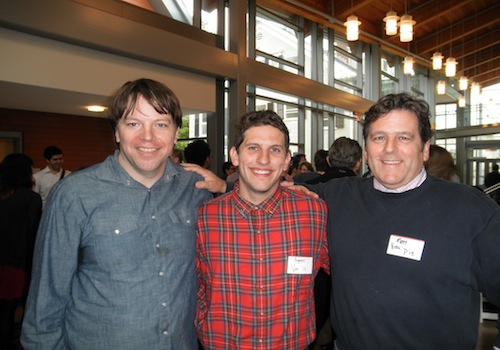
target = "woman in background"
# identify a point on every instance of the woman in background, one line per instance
(20, 211)
(441, 164)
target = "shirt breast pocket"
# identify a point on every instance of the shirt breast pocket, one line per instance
(122, 245)
(181, 230)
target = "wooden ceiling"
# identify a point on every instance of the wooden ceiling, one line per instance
(468, 30)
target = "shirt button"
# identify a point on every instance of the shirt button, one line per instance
(117, 232)
(157, 245)
(164, 304)
(258, 231)
(262, 314)
(165, 333)
(153, 217)
(261, 287)
(161, 273)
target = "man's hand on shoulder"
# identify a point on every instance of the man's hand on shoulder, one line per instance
(211, 182)
(303, 189)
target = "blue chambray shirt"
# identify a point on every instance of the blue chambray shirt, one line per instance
(114, 264)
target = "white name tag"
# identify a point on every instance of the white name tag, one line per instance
(300, 265)
(405, 247)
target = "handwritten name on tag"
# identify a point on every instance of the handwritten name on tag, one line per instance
(300, 265)
(405, 247)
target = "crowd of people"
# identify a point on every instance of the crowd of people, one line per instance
(150, 249)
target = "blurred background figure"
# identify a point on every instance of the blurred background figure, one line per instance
(46, 178)
(227, 169)
(20, 211)
(321, 161)
(295, 162)
(198, 152)
(320, 164)
(441, 164)
(305, 167)
(176, 156)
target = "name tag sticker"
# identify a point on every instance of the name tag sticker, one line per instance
(405, 247)
(300, 265)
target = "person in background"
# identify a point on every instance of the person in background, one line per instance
(441, 164)
(198, 152)
(46, 178)
(115, 251)
(493, 177)
(344, 157)
(410, 253)
(176, 156)
(305, 167)
(20, 210)
(227, 169)
(259, 248)
(321, 165)
(321, 161)
(293, 170)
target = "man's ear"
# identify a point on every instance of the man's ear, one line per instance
(233, 154)
(426, 150)
(288, 159)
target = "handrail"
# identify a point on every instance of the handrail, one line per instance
(492, 188)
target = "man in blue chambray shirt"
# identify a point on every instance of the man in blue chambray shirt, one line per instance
(115, 252)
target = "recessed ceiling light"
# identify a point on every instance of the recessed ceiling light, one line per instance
(96, 109)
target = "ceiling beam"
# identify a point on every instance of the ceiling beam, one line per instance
(466, 28)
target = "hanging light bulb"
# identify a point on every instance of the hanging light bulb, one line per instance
(451, 67)
(463, 83)
(352, 25)
(391, 23)
(437, 60)
(406, 28)
(461, 102)
(475, 89)
(441, 87)
(408, 65)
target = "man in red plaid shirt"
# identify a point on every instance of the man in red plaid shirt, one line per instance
(259, 248)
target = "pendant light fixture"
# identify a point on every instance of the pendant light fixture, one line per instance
(437, 60)
(451, 63)
(461, 102)
(450, 67)
(391, 23)
(441, 87)
(463, 83)
(408, 65)
(352, 25)
(475, 89)
(406, 28)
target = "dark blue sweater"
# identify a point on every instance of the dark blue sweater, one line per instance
(382, 301)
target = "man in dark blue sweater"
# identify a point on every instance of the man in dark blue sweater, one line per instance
(410, 254)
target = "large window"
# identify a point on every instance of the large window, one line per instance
(277, 42)
(347, 67)
(446, 116)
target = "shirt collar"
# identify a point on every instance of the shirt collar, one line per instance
(170, 172)
(416, 182)
(268, 207)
